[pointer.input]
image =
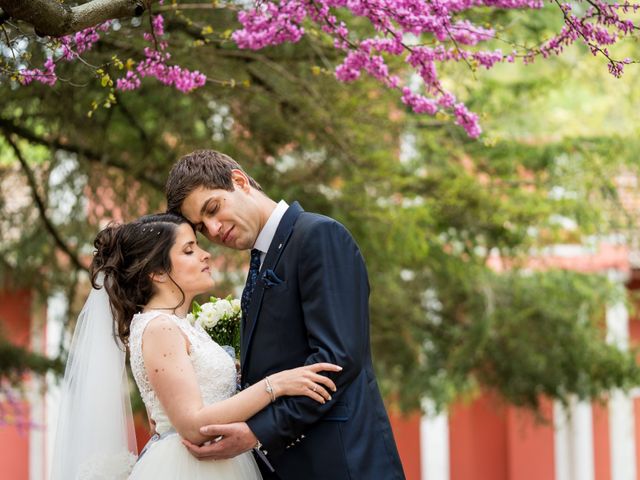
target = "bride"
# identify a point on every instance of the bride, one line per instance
(145, 275)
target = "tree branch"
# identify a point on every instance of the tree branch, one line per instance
(42, 208)
(53, 18)
(133, 121)
(8, 126)
(4, 16)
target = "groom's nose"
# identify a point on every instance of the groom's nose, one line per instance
(213, 227)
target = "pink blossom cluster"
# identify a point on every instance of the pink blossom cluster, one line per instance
(424, 34)
(274, 22)
(155, 65)
(47, 75)
(14, 408)
(288, 15)
(393, 20)
(598, 27)
(67, 48)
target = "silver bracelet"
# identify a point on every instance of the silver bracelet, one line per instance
(269, 389)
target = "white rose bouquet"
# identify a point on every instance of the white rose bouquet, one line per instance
(220, 318)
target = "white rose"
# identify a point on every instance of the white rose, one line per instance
(208, 307)
(191, 318)
(208, 319)
(224, 307)
(210, 314)
(235, 304)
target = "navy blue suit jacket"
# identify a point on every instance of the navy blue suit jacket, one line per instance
(311, 304)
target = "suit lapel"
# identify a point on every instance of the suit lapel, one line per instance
(278, 244)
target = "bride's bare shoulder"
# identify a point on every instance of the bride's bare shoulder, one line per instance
(161, 333)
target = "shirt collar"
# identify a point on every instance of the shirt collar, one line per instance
(263, 242)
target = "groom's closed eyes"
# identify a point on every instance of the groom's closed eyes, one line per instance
(209, 208)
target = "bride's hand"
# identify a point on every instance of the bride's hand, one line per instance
(305, 381)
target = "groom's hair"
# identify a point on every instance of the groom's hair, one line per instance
(202, 168)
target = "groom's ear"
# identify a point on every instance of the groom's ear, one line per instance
(240, 180)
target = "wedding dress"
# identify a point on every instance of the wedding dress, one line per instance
(167, 458)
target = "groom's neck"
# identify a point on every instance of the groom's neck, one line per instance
(266, 206)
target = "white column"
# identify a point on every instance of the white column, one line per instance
(56, 312)
(37, 433)
(35, 397)
(434, 444)
(621, 416)
(561, 443)
(622, 434)
(618, 325)
(574, 442)
(582, 440)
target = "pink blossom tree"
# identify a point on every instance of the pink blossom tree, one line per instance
(418, 34)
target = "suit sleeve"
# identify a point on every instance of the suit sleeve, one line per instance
(334, 292)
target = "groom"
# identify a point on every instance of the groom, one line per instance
(306, 301)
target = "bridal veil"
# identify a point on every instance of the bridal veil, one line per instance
(95, 437)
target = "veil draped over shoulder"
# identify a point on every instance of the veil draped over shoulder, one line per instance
(95, 438)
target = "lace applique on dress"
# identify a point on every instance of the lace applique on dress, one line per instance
(215, 370)
(116, 466)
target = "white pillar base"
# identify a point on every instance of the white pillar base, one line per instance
(434, 444)
(574, 442)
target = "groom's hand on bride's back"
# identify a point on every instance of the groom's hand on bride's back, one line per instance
(227, 441)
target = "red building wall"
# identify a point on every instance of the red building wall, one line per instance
(634, 340)
(487, 440)
(530, 444)
(478, 441)
(406, 430)
(15, 315)
(601, 442)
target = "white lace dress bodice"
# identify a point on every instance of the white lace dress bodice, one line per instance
(167, 458)
(214, 368)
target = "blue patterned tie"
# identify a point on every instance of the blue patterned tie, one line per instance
(252, 277)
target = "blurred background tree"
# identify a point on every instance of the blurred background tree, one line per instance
(427, 205)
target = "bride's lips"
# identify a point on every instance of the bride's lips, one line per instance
(206, 269)
(225, 237)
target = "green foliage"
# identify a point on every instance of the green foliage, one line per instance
(427, 206)
(16, 361)
(522, 335)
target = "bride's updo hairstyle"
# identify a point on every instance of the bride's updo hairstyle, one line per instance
(127, 255)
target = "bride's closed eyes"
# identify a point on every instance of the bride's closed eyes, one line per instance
(189, 247)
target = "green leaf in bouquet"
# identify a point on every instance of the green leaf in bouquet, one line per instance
(196, 309)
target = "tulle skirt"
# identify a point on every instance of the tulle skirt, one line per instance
(169, 459)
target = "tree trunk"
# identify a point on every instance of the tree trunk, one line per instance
(55, 19)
